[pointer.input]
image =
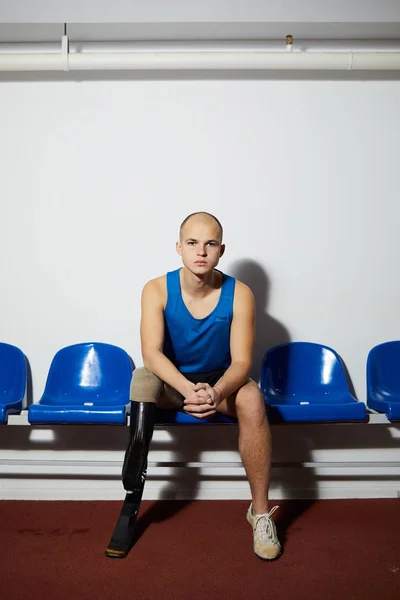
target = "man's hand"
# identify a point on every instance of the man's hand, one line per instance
(202, 403)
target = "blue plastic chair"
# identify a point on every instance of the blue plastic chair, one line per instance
(12, 380)
(306, 382)
(175, 417)
(87, 383)
(383, 379)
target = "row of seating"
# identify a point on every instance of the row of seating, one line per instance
(300, 382)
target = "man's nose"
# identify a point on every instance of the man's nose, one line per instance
(202, 251)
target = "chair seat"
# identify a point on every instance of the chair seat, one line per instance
(10, 408)
(393, 411)
(306, 382)
(86, 383)
(12, 380)
(304, 399)
(86, 399)
(390, 406)
(383, 379)
(303, 413)
(44, 413)
(167, 417)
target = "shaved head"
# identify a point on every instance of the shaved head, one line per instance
(203, 217)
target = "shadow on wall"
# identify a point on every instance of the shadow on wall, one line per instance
(269, 331)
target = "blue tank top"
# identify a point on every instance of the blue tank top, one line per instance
(198, 345)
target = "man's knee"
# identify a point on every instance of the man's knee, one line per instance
(250, 403)
(145, 386)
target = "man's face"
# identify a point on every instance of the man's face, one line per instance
(200, 245)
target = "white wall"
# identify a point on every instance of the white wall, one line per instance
(96, 177)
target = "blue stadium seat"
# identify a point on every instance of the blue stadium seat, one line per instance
(12, 380)
(383, 379)
(87, 383)
(167, 417)
(306, 382)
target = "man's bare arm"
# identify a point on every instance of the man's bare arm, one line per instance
(152, 338)
(242, 341)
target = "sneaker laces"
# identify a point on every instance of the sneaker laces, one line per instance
(263, 525)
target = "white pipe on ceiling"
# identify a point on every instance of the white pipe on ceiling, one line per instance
(198, 60)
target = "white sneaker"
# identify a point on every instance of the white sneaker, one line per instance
(266, 543)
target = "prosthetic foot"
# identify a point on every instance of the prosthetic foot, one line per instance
(134, 473)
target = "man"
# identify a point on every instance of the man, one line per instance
(197, 333)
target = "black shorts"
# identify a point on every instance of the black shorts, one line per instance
(211, 377)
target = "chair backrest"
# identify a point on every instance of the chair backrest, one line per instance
(96, 369)
(12, 373)
(383, 368)
(298, 368)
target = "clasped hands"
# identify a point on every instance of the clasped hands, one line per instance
(201, 400)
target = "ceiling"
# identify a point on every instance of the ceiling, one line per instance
(132, 20)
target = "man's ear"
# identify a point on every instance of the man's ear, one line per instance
(221, 250)
(179, 248)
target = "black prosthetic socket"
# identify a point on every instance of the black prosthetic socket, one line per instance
(134, 472)
(135, 462)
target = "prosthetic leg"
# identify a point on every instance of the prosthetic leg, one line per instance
(134, 472)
